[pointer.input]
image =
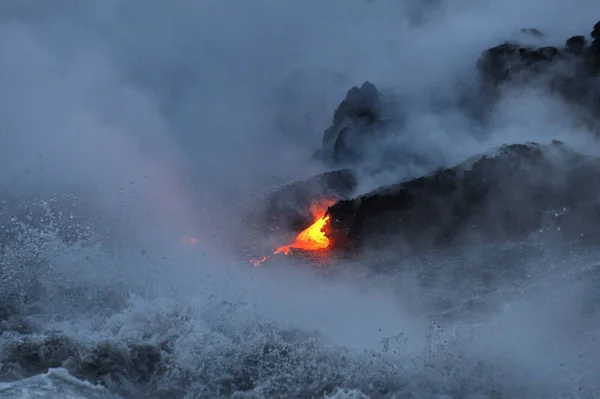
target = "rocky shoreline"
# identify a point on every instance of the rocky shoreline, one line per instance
(475, 201)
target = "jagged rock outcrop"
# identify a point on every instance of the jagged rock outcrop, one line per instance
(571, 70)
(502, 196)
(358, 118)
(360, 122)
(509, 61)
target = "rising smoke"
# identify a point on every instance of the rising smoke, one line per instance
(161, 120)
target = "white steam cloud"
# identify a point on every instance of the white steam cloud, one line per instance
(167, 114)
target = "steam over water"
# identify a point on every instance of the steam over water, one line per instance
(136, 135)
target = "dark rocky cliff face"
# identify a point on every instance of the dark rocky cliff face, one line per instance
(504, 195)
(571, 71)
(357, 119)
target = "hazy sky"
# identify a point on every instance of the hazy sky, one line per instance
(182, 96)
(171, 108)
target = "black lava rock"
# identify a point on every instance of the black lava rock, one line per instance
(288, 208)
(356, 119)
(502, 196)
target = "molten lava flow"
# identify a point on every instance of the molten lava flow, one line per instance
(310, 239)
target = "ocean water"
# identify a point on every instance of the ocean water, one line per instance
(137, 142)
(76, 324)
(55, 383)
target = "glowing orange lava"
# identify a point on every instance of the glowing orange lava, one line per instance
(310, 239)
